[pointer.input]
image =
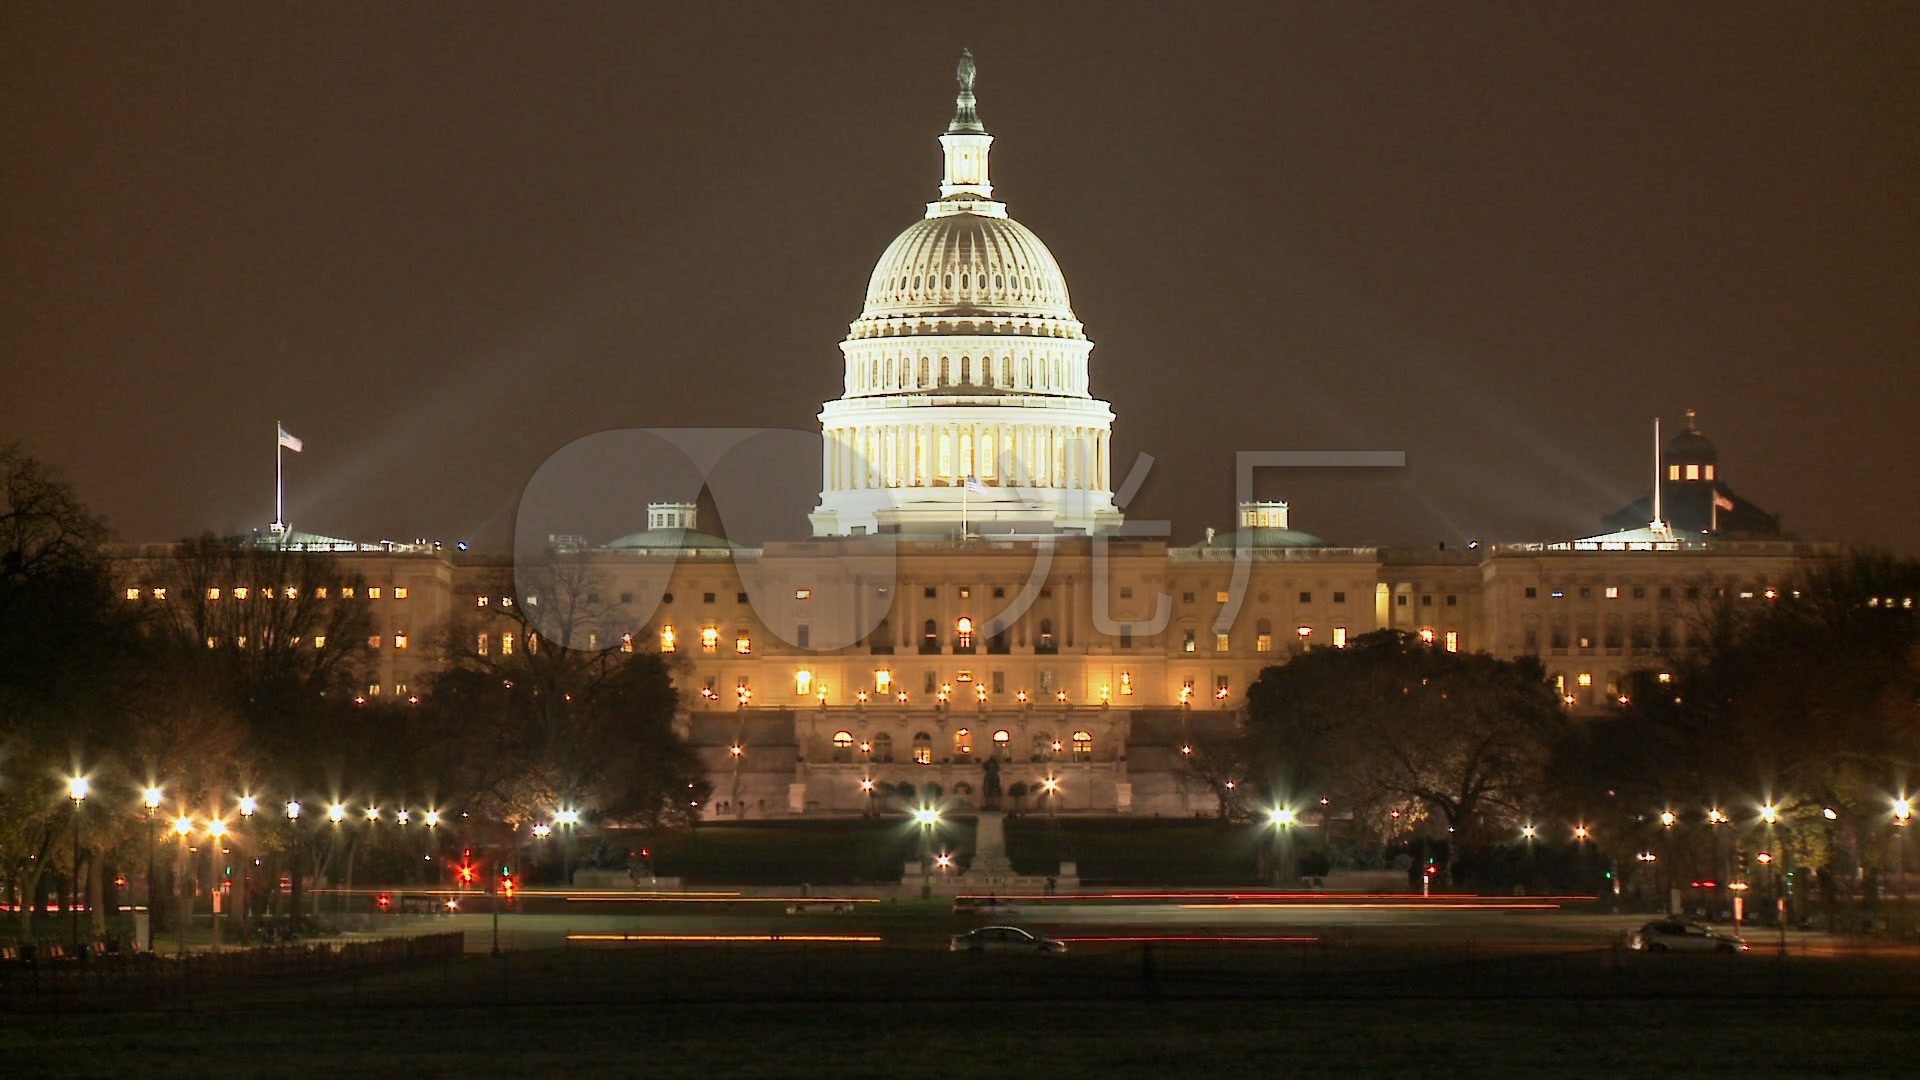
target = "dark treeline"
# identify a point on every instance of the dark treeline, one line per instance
(213, 694)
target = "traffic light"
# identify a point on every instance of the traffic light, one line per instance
(466, 874)
(384, 902)
(507, 885)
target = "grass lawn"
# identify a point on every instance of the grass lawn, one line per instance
(1135, 851)
(849, 851)
(925, 1013)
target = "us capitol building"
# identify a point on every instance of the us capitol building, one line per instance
(969, 591)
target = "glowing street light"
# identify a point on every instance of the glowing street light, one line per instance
(77, 788)
(1529, 832)
(403, 817)
(1667, 818)
(1768, 814)
(433, 819)
(153, 797)
(1280, 815)
(1830, 814)
(216, 828)
(542, 830)
(1580, 833)
(373, 813)
(183, 826)
(337, 813)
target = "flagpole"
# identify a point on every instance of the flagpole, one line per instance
(1656, 473)
(279, 480)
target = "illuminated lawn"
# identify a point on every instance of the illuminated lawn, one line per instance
(1143, 851)
(848, 851)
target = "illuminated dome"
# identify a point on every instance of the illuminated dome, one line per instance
(967, 265)
(965, 399)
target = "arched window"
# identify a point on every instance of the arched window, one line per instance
(963, 634)
(926, 371)
(1042, 746)
(966, 453)
(922, 749)
(1082, 746)
(842, 747)
(883, 747)
(1003, 745)
(882, 639)
(1263, 636)
(963, 742)
(1044, 643)
(929, 637)
(986, 457)
(946, 371)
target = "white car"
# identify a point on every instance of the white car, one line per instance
(1685, 937)
(1007, 939)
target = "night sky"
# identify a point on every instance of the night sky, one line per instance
(440, 242)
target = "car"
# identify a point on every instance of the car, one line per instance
(1673, 935)
(1004, 939)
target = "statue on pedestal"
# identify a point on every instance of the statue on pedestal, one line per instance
(990, 786)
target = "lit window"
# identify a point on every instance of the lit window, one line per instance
(1186, 641)
(373, 689)
(1221, 643)
(1707, 472)
(1263, 643)
(626, 643)
(1082, 746)
(320, 641)
(400, 639)
(803, 682)
(346, 593)
(373, 592)
(133, 594)
(963, 633)
(1613, 592)
(373, 642)
(290, 593)
(506, 644)
(240, 593)
(709, 638)
(1126, 683)
(1426, 634)
(1693, 472)
(320, 593)
(399, 592)
(667, 639)
(1303, 632)
(923, 749)
(802, 594)
(242, 642)
(211, 644)
(882, 680)
(1220, 597)
(1453, 641)
(213, 593)
(1584, 679)
(963, 741)
(843, 746)
(742, 644)
(593, 642)
(479, 601)
(1673, 472)
(1339, 637)
(480, 645)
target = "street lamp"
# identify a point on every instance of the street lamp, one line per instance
(293, 898)
(928, 819)
(216, 832)
(1902, 810)
(337, 813)
(77, 791)
(153, 797)
(1051, 786)
(183, 828)
(248, 807)
(1282, 818)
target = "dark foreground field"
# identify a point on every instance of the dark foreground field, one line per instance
(845, 1011)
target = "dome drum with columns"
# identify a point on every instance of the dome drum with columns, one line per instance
(965, 402)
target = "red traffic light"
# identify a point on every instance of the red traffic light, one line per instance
(507, 887)
(466, 874)
(1432, 870)
(384, 901)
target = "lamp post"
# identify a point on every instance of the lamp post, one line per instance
(248, 807)
(153, 797)
(182, 828)
(568, 818)
(1281, 818)
(1902, 810)
(293, 831)
(216, 834)
(76, 791)
(1667, 820)
(927, 818)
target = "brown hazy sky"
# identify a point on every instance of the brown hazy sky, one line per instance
(441, 241)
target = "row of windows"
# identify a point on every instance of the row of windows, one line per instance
(898, 373)
(1221, 597)
(1263, 638)
(400, 641)
(880, 747)
(1692, 472)
(290, 592)
(1640, 592)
